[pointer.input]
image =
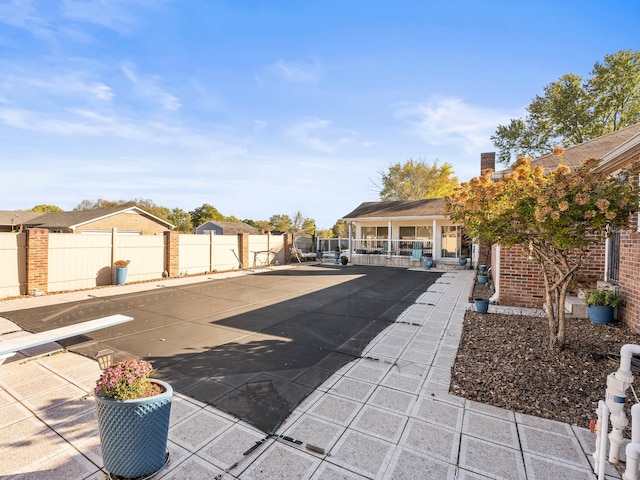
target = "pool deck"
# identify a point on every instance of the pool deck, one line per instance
(385, 416)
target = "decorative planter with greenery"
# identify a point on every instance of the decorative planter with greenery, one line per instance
(600, 303)
(428, 262)
(120, 271)
(133, 419)
(344, 259)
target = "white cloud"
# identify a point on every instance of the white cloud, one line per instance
(450, 121)
(297, 72)
(147, 86)
(308, 132)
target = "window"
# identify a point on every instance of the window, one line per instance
(455, 243)
(374, 237)
(413, 235)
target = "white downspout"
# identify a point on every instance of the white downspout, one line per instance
(496, 276)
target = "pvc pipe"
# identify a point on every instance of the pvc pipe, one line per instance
(633, 454)
(635, 423)
(600, 455)
(626, 352)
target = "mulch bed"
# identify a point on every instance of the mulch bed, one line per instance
(505, 361)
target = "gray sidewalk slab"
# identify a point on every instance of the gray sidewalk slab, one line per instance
(387, 415)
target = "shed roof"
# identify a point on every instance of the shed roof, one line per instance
(230, 228)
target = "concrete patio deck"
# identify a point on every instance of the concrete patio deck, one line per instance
(385, 416)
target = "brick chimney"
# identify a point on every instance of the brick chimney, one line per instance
(488, 161)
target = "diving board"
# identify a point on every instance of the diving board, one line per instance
(13, 345)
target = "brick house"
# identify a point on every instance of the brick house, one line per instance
(518, 282)
(127, 220)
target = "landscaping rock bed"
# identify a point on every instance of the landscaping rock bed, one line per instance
(505, 361)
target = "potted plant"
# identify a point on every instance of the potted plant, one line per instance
(344, 259)
(120, 271)
(428, 262)
(600, 303)
(133, 419)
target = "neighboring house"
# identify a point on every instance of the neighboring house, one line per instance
(226, 228)
(405, 230)
(15, 220)
(127, 220)
(518, 281)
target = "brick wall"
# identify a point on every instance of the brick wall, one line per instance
(629, 278)
(37, 260)
(521, 281)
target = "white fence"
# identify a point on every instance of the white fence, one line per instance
(208, 253)
(85, 261)
(13, 264)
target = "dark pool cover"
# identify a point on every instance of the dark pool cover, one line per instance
(252, 345)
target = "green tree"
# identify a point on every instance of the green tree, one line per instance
(204, 213)
(574, 110)
(340, 229)
(44, 208)
(556, 219)
(282, 223)
(181, 220)
(145, 204)
(415, 180)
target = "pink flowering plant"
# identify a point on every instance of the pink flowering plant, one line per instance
(125, 380)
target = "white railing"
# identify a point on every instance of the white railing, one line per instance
(375, 246)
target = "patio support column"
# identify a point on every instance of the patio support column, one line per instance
(389, 246)
(436, 244)
(350, 240)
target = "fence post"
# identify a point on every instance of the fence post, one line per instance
(172, 253)
(37, 260)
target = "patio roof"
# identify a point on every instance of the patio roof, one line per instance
(427, 208)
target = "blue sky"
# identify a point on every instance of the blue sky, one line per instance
(272, 107)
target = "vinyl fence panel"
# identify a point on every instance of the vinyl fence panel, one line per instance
(13, 273)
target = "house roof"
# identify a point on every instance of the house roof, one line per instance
(75, 218)
(431, 207)
(574, 156)
(16, 218)
(230, 228)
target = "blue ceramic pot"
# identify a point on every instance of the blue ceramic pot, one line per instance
(482, 305)
(462, 261)
(133, 433)
(601, 314)
(482, 279)
(428, 262)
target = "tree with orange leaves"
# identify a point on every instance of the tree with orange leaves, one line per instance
(556, 216)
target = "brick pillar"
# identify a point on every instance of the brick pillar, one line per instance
(488, 161)
(172, 253)
(243, 249)
(37, 260)
(286, 244)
